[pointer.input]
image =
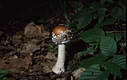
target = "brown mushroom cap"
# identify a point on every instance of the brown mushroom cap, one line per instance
(61, 34)
(59, 29)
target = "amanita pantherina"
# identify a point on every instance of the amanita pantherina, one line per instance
(60, 36)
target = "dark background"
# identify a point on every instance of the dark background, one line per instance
(15, 14)
(28, 8)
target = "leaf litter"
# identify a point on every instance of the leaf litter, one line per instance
(26, 55)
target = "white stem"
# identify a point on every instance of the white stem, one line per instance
(59, 66)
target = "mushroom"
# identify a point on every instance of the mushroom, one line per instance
(60, 36)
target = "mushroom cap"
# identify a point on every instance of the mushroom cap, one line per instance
(61, 34)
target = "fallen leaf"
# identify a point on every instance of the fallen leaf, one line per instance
(76, 73)
(35, 31)
(15, 64)
(29, 47)
(51, 56)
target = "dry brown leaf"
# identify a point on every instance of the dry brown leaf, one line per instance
(78, 72)
(28, 48)
(15, 64)
(33, 30)
(28, 61)
(51, 56)
(47, 66)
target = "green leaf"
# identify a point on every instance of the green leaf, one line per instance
(88, 51)
(116, 12)
(84, 21)
(120, 60)
(108, 46)
(101, 18)
(123, 16)
(102, 1)
(3, 73)
(83, 18)
(92, 35)
(110, 1)
(121, 4)
(103, 76)
(101, 14)
(95, 5)
(109, 21)
(114, 65)
(112, 68)
(4, 78)
(118, 36)
(71, 66)
(110, 34)
(96, 59)
(94, 73)
(81, 53)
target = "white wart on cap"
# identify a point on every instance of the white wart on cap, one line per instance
(61, 34)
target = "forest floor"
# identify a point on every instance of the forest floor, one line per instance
(28, 53)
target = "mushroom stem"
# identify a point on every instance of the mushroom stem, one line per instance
(59, 66)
